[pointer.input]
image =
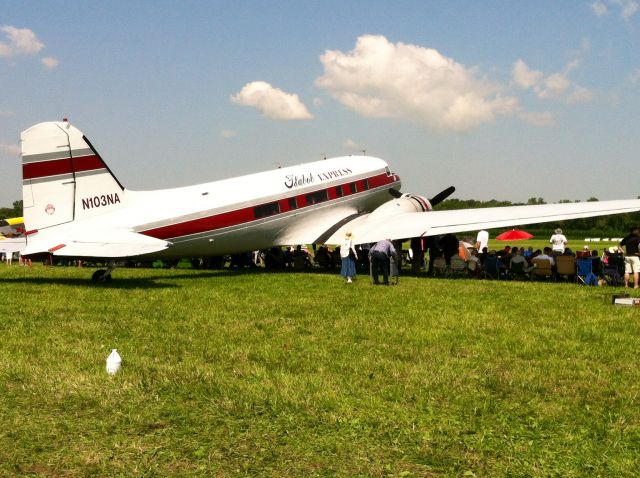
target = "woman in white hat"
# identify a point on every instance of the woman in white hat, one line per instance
(348, 255)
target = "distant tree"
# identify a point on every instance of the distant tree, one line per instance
(564, 201)
(15, 211)
(536, 201)
(592, 199)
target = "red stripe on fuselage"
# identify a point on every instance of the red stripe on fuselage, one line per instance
(246, 215)
(57, 167)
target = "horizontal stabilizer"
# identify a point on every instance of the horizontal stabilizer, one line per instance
(108, 245)
(11, 245)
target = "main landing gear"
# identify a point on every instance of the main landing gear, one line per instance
(103, 275)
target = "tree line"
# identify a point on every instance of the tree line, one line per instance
(15, 211)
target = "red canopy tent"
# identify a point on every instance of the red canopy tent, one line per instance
(514, 235)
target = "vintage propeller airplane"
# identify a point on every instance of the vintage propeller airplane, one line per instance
(75, 207)
(12, 235)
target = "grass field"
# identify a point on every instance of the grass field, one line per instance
(283, 374)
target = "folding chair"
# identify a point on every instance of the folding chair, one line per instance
(493, 268)
(517, 271)
(565, 266)
(439, 267)
(542, 269)
(458, 267)
(611, 270)
(585, 273)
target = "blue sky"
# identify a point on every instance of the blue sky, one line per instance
(505, 100)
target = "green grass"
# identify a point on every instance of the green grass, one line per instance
(258, 374)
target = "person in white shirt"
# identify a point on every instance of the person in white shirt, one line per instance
(558, 241)
(482, 240)
(348, 255)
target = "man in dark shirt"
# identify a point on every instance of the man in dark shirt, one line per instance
(631, 244)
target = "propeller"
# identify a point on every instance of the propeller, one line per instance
(441, 196)
(395, 193)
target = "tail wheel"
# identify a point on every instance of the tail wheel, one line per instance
(100, 276)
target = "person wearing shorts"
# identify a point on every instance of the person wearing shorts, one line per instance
(631, 244)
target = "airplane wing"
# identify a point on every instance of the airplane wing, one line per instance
(108, 245)
(371, 228)
(316, 228)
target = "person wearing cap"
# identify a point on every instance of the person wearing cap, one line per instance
(348, 255)
(558, 242)
(631, 244)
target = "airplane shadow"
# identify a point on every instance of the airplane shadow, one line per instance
(116, 283)
(153, 281)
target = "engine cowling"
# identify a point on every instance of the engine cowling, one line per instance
(405, 203)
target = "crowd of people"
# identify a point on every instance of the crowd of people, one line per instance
(615, 265)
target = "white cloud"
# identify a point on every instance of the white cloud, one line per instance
(11, 149)
(524, 77)
(272, 102)
(20, 41)
(378, 79)
(538, 119)
(580, 95)
(554, 86)
(50, 63)
(317, 102)
(599, 8)
(351, 145)
(228, 133)
(627, 8)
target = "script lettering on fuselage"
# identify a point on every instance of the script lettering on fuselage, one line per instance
(99, 201)
(293, 180)
(337, 173)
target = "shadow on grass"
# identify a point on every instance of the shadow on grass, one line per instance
(126, 283)
(156, 281)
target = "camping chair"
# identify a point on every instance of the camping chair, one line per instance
(517, 271)
(542, 269)
(439, 267)
(565, 266)
(611, 270)
(458, 267)
(493, 268)
(585, 273)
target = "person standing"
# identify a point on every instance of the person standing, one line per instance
(482, 240)
(380, 254)
(558, 242)
(348, 255)
(631, 245)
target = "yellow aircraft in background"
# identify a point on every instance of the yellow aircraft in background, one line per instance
(12, 238)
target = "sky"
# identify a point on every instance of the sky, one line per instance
(504, 100)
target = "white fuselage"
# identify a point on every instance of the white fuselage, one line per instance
(251, 212)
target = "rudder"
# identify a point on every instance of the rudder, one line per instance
(64, 178)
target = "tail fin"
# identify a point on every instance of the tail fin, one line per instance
(63, 177)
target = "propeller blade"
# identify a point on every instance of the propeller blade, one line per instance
(395, 193)
(441, 196)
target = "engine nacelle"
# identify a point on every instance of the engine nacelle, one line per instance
(405, 203)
